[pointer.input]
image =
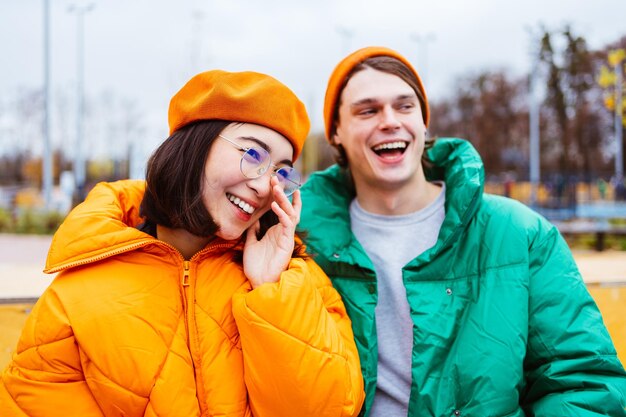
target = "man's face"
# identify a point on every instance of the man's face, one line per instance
(382, 130)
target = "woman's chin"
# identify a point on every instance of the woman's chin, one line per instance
(230, 234)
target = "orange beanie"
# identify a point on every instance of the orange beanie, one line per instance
(337, 80)
(248, 97)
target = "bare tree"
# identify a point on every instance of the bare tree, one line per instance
(488, 109)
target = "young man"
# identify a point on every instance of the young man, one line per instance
(462, 303)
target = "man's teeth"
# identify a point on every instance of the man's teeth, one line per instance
(241, 204)
(390, 145)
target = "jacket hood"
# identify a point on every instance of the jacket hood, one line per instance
(103, 225)
(458, 164)
(327, 196)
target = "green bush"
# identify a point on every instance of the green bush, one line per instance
(37, 222)
(588, 241)
(53, 221)
(6, 221)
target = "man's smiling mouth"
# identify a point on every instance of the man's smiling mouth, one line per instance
(390, 149)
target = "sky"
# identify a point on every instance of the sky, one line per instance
(143, 51)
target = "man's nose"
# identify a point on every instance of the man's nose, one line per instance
(388, 118)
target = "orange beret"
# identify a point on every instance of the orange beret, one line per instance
(247, 97)
(337, 80)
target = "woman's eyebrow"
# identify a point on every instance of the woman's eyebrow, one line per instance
(267, 148)
(257, 141)
(285, 162)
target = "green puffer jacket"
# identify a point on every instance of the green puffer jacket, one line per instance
(503, 323)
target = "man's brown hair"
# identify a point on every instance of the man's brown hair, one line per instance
(387, 65)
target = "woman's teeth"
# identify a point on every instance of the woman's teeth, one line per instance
(241, 204)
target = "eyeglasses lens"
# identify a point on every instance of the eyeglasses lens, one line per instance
(254, 162)
(289, 178)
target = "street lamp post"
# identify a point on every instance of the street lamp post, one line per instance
(606, 79)
(346, 36)
(422, 51)
(533, 121)
(47, 151)
(619, 153)
(79, 160)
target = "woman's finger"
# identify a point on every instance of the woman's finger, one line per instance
(251, 233)
(297, 205)
(283, 201)
(284, 219)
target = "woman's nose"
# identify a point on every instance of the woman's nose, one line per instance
(262, 184)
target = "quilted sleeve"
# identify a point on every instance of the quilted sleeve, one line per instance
(572, 368)
(45, 376)
(300, 358)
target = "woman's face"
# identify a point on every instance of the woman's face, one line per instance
(234, 201)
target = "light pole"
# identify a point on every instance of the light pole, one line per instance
(533, 121)
(616, 59)
(47, 151)
(196, 41)
(79, 160)
(619, 154)
(422, 53)
(346, 36)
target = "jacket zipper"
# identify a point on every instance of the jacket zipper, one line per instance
(185, 285)
(187, 294)
(188, 286)
(188, 289)
(98, 258)
(126, 249)
(185, 274)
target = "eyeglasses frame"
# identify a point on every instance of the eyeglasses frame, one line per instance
(276, 168)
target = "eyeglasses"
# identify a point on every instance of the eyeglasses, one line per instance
(256, 161)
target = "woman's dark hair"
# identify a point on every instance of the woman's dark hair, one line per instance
(391, 66)
(175, 177)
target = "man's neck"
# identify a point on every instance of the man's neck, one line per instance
(397, 201)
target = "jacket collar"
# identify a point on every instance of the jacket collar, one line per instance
(327, 196)
(104, 225)
(457, 163)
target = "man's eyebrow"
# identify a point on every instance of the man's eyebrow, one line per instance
(406, 96)
(267, 148)
(369, 101)
(363, 102)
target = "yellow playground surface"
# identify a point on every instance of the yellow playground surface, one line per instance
(21, 282)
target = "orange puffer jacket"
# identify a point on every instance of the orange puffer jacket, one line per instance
(129, 328)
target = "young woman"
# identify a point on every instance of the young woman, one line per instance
(185, 295)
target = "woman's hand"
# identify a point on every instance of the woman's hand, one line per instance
(264, 260)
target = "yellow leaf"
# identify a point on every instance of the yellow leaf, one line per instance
(606, 77)
(609, 102)
(616, 56)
